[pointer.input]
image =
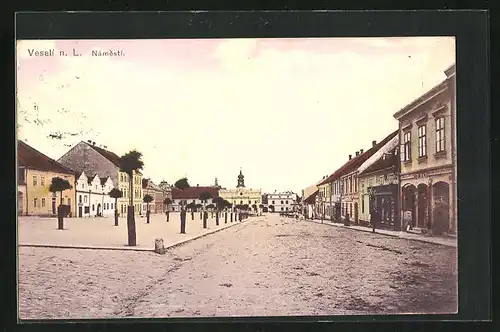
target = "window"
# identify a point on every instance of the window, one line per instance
(281, 202)
(362, 204)
(273, 202)
(83, 185)
(111, 205)
(79, 198)
(287, 208)
(241, 202)
(422, 144)
(286, 202)
(42, 181)
(281, 208)
(96, 187)
(34, 180)
(406, 155)
(85, 199)
(93, 207)
(34, 202)
(440, 134)
(43, 202)
(350, 209)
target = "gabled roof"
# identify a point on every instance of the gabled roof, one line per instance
(34, 159)
(357, 161)
(111, 156)
(193, 192)
(104, 180)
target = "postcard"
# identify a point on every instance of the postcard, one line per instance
(162, 178)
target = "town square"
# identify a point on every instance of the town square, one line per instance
(149, 200)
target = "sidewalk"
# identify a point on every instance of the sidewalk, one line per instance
(100, 233)
(449, 242)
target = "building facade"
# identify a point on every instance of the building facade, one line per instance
(378, 187)
(282, 202)
(91, 159)
(242, 195)
(35, 173)
(158, 194)
(427, 134)
(192, 195)
(93, 198)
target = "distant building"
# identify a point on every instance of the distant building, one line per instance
(281, 202)
(242, 195)
(158, 194)
(91, 159)
(192, 195)
(427, 134)
(35, 172)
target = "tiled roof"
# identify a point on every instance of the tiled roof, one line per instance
(357, 161)
(34, 159)
(107, 154)
(383, 163)
(193, 192)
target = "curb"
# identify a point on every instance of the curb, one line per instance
(181, 242)
(387, 234)
(127, 248)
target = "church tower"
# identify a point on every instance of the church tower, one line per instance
(241, 180)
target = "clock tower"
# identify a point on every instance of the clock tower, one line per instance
(241, 180)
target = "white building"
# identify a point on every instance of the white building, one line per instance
(92, 196)
(282, 202)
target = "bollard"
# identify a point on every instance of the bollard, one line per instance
(159, 247)
(225, 218)
(205, 216)
(183, 222)
(217, 219)
(231, 217)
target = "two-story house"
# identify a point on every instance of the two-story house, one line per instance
(281, 202)
(378, 187)
(91, 159)
(35, 174)
(158, 194)
(427, 133)
(349, 177)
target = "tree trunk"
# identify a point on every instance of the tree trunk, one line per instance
(168, 216)
(205, 216)
(116, 212)
(217, 219)
(60, 220)
(131, 216)
(183, 221)
(225, 218)
(147, 213)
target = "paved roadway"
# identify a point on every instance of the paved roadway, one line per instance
(266, 266)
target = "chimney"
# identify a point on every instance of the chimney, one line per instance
(89, 141)
(357, 153)
(350, 156)
(374, 143)
(361, 151)
(93, 143)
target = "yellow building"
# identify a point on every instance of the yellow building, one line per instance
(35, 174)
(124, 186)
(242, 195)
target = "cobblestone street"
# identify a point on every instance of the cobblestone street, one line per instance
(265, 266)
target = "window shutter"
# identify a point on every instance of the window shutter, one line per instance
(402, 152)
